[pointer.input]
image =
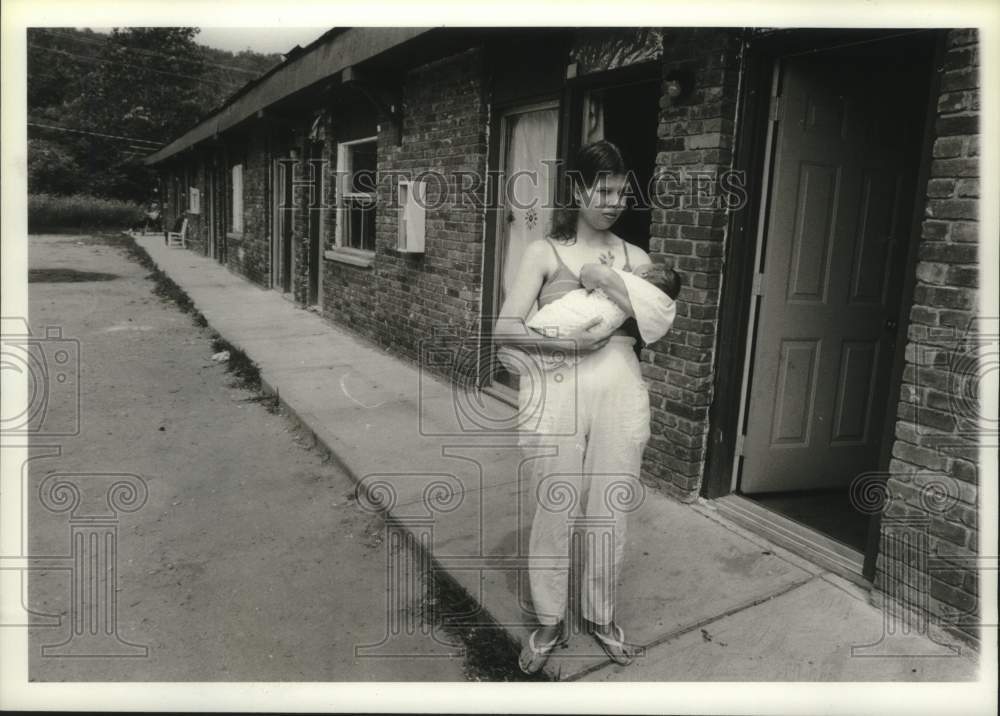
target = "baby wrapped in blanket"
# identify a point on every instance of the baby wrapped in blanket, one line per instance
(652, 289)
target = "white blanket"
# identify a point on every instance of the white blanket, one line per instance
(654, 310)
(576, 309)
(654, 313)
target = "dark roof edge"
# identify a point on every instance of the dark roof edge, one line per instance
(328, 54)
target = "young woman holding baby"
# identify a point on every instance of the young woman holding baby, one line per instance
(596, 414)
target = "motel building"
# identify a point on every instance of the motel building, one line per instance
(817, 190)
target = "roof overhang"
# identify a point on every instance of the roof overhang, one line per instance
(330, 54)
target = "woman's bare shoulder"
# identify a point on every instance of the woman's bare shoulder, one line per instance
(539, 252)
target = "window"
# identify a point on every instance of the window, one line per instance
(356, 209)
(236, 200)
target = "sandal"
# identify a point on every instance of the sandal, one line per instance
(533, 657)
(617, 649)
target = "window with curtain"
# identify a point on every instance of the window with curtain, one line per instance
(236, 199)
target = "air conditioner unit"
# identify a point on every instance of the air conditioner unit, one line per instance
(412, 216)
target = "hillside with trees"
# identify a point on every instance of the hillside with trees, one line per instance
(98, 103)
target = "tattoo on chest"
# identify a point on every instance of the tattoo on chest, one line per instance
(607, 258)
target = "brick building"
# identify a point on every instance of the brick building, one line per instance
(817, 190)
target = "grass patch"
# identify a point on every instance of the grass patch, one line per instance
(240, 365)
(80, 212)
(490, 653)
(166, 288)
(67, 275)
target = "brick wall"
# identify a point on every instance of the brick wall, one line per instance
(250, 255)
(933, 482)
(402, 299)
(695, 134)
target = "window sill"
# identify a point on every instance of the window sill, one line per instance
(234, 236)
(354, 257)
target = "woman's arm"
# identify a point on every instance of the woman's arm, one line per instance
(510, 328)
(603, 277)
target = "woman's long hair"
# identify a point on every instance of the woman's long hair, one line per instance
(600, 159)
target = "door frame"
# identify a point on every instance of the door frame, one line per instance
(491, 268)
(313, 151)
(282, 255)
(209, 209)
(753, 155)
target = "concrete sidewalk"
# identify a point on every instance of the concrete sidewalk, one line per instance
(707, 599)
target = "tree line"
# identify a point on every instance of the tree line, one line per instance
(98, 103)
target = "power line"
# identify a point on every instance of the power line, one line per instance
(151, 53)
(96, 134)
(228, 85)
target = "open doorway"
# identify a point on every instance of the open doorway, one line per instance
(283, 217)
(831, 262)
(627, 115)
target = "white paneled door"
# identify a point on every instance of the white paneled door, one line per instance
(834, 245)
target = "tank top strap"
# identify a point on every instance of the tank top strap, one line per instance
(628, 261)
(562, 264)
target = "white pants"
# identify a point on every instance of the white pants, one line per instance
(596, 417)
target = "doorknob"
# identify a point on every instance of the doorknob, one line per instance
(890, 324)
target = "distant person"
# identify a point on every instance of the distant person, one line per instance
(153, 218)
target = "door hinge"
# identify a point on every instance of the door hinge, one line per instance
(775, 107)
(758, 284)
(739, 445)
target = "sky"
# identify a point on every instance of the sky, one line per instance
(260, 39)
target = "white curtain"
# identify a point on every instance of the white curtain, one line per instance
(530, 182)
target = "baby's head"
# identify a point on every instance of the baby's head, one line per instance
(664, 278)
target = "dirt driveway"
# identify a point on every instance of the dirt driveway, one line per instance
(249, 559)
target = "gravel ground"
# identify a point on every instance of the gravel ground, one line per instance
(250, 560)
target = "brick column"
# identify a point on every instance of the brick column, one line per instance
(695, 137)
(934, 471)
